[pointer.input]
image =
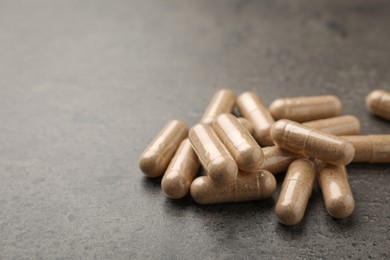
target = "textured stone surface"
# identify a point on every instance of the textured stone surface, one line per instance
(85, 85)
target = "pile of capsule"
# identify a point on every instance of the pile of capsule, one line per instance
(305, 136)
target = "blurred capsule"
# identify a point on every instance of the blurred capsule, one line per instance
(302, 109)
(157, 155)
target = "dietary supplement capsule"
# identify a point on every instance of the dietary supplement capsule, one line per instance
(276, 159)
(222, 102)
(378, 103)
(181, 171)
(296, 191)
(310, 142)
(246, 187)
(245, 122)
(370, 148)
(333, 181)
(251, 107)
(302, 109)
(213, 155)
(157, 155)
(340, 125)
(241, 145)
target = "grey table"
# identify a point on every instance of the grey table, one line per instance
(85, 85)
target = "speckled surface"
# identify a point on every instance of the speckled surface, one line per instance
(85, 85)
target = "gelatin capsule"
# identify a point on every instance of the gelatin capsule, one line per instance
(212, 153)
(181, 171)
(310, 142)
(155, 158)
(370, 148)
(378, 103)
(241, 145)
(340, 125)
(276, 159)
(246, 187)
(302, 109)
(333, 181)
(245, 122)
(251, 107)
(296, 191)
(222, 102)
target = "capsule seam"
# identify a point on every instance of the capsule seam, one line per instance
(192, 160)
(305, 142)
(287, 133)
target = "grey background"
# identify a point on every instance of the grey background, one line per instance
(85, 86)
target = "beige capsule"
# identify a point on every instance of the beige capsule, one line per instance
(310, 142)
(277, 160)
(378, 103)
(296, 191)
(302, 109)
(212, 153)
(246, 187)
(340, 125)
(241, 145)
(370, 148)
(333, 181)
(248, 125)
(181, 171)
(155, 158)
(253, 109)
(222, 102)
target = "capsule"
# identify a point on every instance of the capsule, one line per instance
(241, 145)
(251, 107)
(246, 187)
(212, 153)
(378, 103)
(302, 109)
(155, 158)
(222, 102)
(181, 171)
(340, 125)
(370, 148)
(277, 160)
(333, 181)
(310, 142)
(296, 191)
(248, 125)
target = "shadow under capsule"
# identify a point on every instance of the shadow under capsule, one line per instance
(151, 185)
(333, 224)
(182, 203)
(341, 226)
(236, 209)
